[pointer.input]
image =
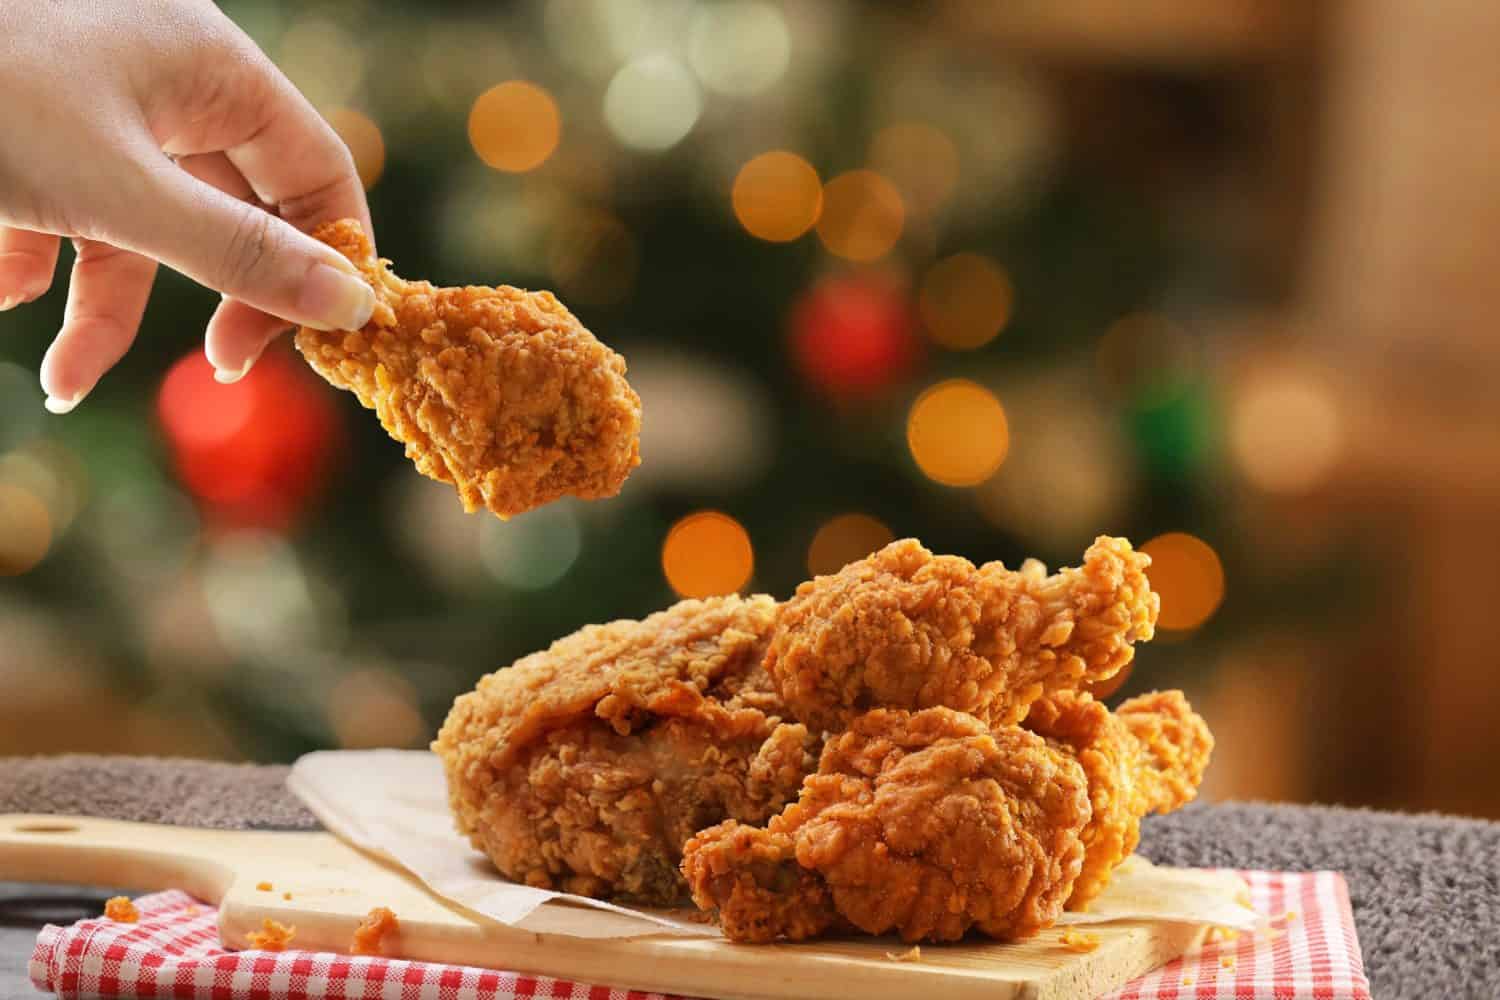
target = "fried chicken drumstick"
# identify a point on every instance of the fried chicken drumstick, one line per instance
(926, 824)
(585, 767)
(499, 392)
(904, 628)
(1146, 757)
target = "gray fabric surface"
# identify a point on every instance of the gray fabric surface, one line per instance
(1426, 889)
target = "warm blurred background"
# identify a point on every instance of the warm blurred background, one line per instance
(1219, 277)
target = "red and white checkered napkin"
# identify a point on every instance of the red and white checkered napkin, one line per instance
(1309, 951)
(174, 951)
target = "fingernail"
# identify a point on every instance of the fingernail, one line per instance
(9, 302)
(228, 376)
(59, 406)
(336, 300)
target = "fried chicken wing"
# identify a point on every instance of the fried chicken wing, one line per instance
(497, 391)
(585, 767)
(925, 824)
(1147, 757)
(904, 628)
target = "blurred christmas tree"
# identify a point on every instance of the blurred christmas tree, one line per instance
(869, 284)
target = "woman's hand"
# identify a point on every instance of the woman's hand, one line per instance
(98, 102)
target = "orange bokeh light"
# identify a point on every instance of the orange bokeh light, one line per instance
(366, 145)
(25, 530)
(777, 196)
(515, 126)
(844, 539)
(1185, 571)
(863, 216)
(965, 301)
(957, 433)
(707, 553)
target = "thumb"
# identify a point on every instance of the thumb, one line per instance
(244, 252)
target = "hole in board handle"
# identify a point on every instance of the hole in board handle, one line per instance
(46, 828)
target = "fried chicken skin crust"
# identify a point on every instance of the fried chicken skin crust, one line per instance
(1149, 756)
(903, 628)
(500, 392)
(924, 824)
(585, 767)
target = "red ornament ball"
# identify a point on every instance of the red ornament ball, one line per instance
(854, 337)
(253, 453)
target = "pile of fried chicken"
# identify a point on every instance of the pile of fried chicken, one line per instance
(905, 746)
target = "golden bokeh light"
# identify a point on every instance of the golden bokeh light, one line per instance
(844, 539)
(515, 126)
(1185, 571)
(707, 553)
(593, 258)
(1285, 432)
(777, 196)
(364, 140)
(375, 707)
(921, 160)
(25, 530)
(965, 301)
(957, 433)
(863, 216)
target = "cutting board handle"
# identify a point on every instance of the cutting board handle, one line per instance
(82, 850)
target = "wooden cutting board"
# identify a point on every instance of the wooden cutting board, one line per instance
(333, 885)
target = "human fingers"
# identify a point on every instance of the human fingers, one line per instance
(27, 261)
(107, 296)
(241, 250)
(293, 159)
(237, 336)
(237, 333)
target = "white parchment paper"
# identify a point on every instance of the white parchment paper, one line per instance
(394, 803)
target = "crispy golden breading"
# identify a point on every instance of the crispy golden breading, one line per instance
(586, 766)
(374, 932)
(272, 936)
(1176, 745)
(925, 824)
(498, 391)
(121, 910)
(904, 628)
(1147, 757)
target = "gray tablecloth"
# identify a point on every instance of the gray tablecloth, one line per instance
(1426, 889)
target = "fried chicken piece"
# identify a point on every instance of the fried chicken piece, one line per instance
(586, 767)
(1147, 757)
(904, 628)
(925, 824)
(497, 391)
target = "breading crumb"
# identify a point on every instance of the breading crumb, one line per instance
(272, 936)
(264, 886)
(286, 895)
(370, 935)
(1227, 962)
(912, 954)
(1079, 941)
(1188, 980)
(121, 910)
(1291, 915)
